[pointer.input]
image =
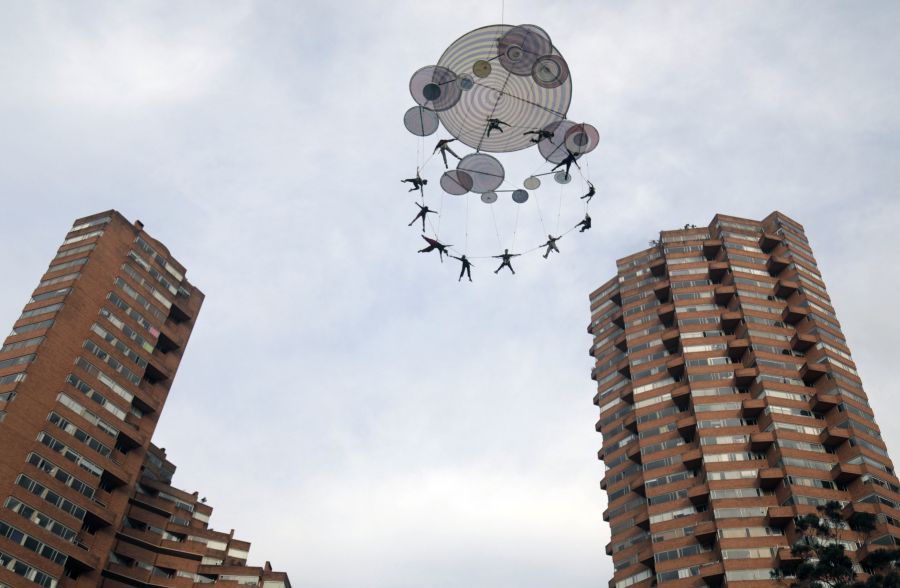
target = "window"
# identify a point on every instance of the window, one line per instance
(40, 311)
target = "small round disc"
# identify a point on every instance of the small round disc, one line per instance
(532, 183)
(489, 197)
(482, 68)
(581, 139)
(420, 121)
(520, 196)
(485, 170)
(466, 82)
(456, 182)
(562, 177)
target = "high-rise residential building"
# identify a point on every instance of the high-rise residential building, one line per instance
(729, 407)
(84, 497)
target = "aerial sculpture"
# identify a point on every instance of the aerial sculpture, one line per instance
(496, 90)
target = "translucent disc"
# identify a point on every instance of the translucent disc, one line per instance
(486, 171)
(435, 87)
(562, 177)
(456, 182)
(550, 71)
(521, 47)
(554, 148)
(581, 139)
(489, 197)
(532, 183)
(420, 121)
(520, 196)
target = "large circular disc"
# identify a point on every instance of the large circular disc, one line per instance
(554, 148)
(486, 171)
(489, 197)
(562, 177)
(520, 196)
(550, 71)
(581, 139)
(456, 182)
(520, 47)
(532, 183)
(435, 87)
(420, 121)
(517, 100)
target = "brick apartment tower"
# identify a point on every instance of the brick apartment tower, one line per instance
(84, 497)
(729, 405)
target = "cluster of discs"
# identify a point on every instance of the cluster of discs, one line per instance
(498, 89)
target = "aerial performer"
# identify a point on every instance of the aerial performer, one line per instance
(442, 145)
(551, 245)
(466, 267)
(506, 256)
(417, 183)
(423, 212)
(584, 224)
(494, 79)
(494, 124)
(590, 193)
(434, 244)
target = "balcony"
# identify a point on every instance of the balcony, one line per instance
(616, 298)
(609, 550)
(630, 422)
(639, 487)
(779, 516)
(761, 441)
(777, 264)
(698, 494)
(624, 368)
(769, 241)
(692, 458)
(844, 473)
(658, 267)
(744, 376)
(834, 436)
(675, 366)
(730, 319)
(711, 248)
(666, 314)
(751, 407)
(717, 270)
(621, 343)
(671, 338)
(723, 294)
(598, 425)
(810, 372)
(712, 573)
(824, 401)
(634, 453)
(769, 478)
(687, 427)
(784, 287)
(642, 519)
(785, 556)
(681, 396)
(705, 532)
(645, 556)
(603, 482)
(803, 341)
(737, 348)
(662, 290)
(618, 319)
(793, 314)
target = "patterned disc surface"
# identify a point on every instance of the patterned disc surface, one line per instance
(519, 101)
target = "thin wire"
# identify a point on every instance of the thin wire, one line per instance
(467, 226)
(516, 227)
(496, 229)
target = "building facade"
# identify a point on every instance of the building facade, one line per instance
(84, 375)
(729, 406)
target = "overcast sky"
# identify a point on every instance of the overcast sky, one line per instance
(347, 405)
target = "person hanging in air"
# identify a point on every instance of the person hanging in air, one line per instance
(585, 224)
(417, 183)
(423, 211)
(494, 124)
(540, 135)
(590, 193)
(435, 244)
(568, 161)
(551, 245)
(506, 256)
(442, 145)
(466, 267)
